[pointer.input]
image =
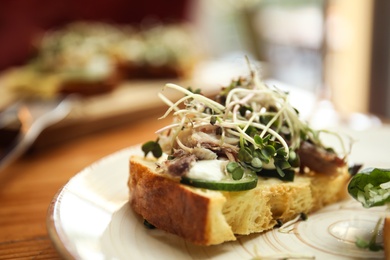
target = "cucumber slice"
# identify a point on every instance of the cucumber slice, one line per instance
(249, 181)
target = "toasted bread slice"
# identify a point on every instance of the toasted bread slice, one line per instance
(207, 217)
(386, 237)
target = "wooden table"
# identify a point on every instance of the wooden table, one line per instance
(28, 186)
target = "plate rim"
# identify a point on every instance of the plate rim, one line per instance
(55, 232)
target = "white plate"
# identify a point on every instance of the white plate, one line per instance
(91, 219)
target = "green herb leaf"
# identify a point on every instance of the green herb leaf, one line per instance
(282, 164)
(369, 187)
(294, 159)
(231, 166)
(268, 151)
(266, 138)
(280, 152)
(238, 173)
(244, 155)
(153, 147)
(258, 140)
(280, 172)
(256, 163)
(236, 170)
(251, 131)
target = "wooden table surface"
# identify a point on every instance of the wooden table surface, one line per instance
(28, 186)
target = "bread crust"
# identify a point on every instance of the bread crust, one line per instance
(208, 217)
(176, 208)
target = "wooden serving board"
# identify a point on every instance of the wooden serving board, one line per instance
(128, 103)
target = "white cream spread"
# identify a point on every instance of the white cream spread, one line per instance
(213, 170)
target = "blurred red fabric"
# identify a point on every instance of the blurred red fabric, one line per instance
(22, 21)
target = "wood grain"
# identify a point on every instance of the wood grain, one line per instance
(28, 186)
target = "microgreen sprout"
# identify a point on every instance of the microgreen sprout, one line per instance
(235, 170)
(372, 243)
(266, 127)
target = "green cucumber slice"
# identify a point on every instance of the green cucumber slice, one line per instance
(249, 181)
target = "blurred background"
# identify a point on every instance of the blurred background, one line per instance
(338, 51)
